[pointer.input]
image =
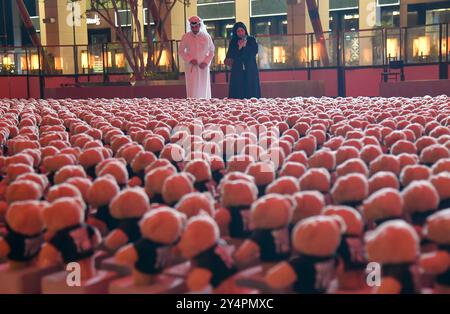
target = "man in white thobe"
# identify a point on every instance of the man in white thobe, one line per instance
(197, 50)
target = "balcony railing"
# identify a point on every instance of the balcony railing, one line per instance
(371, 47)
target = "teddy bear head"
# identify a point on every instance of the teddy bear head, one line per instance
(102, 191)
(130, 203)
(162, 225)
(25, 217)
(308, 203)
(354, 225)
(193, 203)
(350, 189)
(176, 186)
(318, 236)
(272, 211)
(62, 213)
(238, 193)
(437, 227)
(393, 242)
(315, 179)
(200, 234)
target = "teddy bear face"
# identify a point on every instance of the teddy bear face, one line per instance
(350, 188)
(102, 191)
(317, 236)
(354, 225)
(176, 186)
(262, 172)
(238, 193)
(142, 160)
(433, 153)
(63, 190)
(308, 203)
(323, 158)
(345, 153)
(293, 169)
(25, 217)
(90, 157)
(129, 151)
(194, 203)
(162, 225)
(420, 196)
(23, 190)
(62, 213)
(154, 143)
(115, 168)
(315, 179)
(130, 203)
(353, 165)
(20, 158)
(441, 165)
(272, 211)
(441, 183)
(15, 170)
(173, 153)
(54, 163)
(298, 156)
(393, 242)
(385, 203)
(284, 185)
(239, 163)
(216, 163)
(67, 172)
(437, 227)
(82, 184)
(40, 179)
(385, 163)
(201, 233)
(158, 163)
(412, 173)
(199, 169)
(154, 180)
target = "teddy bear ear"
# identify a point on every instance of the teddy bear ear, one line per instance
(190, 176)
(291, 200)
(208, 195)
(122, 160)
(340, 223)
(183, 219)
(202, 212)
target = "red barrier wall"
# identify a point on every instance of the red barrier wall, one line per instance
(329, 76)
(422, 72)
(359, 81)
(363, 81)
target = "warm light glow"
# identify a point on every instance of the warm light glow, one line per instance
(421, 46)
(59, 64)
(164, 60)
(309, 55)
(8, 60)
(145, 56)
(24, 63)
(445, 46)
(108, 59)
(392, 48)
(120, 60)
(34, 62)
(84, 60)
(221, 54)
(279, 54)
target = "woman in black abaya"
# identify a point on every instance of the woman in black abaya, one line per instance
(241, 57)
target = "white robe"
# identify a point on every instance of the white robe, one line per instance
(201, 48)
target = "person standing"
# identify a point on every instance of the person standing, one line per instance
(241, 57)
(197, 51)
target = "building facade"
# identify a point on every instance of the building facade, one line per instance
(284, 30)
